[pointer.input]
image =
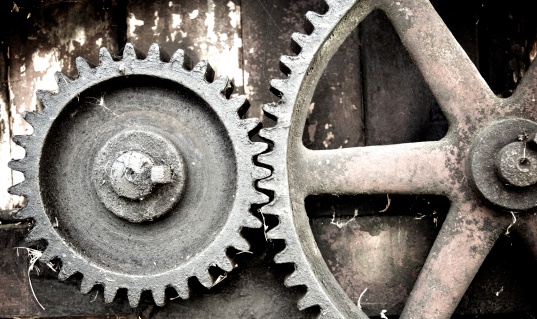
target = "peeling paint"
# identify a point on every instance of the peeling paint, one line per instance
(194, 14)
(132, 23)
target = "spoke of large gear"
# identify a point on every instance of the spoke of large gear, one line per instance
(140, 174)
(478, 165)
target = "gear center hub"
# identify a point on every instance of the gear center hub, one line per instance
(503, 164)
(139, 175)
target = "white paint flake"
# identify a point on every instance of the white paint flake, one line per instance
(132, 23)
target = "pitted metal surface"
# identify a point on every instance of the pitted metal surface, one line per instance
(139, 174)
(442, 168)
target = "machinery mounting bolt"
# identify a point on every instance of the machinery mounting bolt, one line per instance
(516, 164)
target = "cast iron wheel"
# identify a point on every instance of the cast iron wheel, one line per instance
(140, 174)
(484, 165)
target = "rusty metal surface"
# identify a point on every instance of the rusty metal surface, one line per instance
(472, 226)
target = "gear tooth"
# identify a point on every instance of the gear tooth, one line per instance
(258, 148)
(224, 263)
(300, 39)
(290, 62)
(261, 173)
(48, 254)
(251, 221)
(129, 53)
(61, 79)
(284, 256)
(181, 60)
(18, 165)
(238, 102)
(133, 294)
(293, 279)
(205, 278)
(250, 123)
(204, 69)
(86, 285)
(221, 83)
(315, 19)
(259, 198)
(279, 84)
(20, 140)
(23, 213)
(109, 293)
(182, 289)
(83, 66)
(65, 272)
(19, 189)
(240, 244)
(159, 296)
(267, 183)
(31, 117)
(105, 57)
(272, 108)
(154, 53)
(34, 235)
(275, 233)
(308, 300)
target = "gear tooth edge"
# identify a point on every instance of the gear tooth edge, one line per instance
(65, 272)
(272, 108)
(133, 294)
(284, 256)
(105, 57)
(260, 198)
(250, 123)
(223, 262)
(86, 285)
(159, 296)
(83, 66)
(129, 53)
(251, 221)
(34, 235)
(204, 70)
(279, 84)
(31, 117)
(289, 61)
(300, 38)
(238, 102)
(48, 254)
(315, 19)
(181, 60)
(61, 79)
(258, 148)
(274, 233)
(20, 140)
(18, 164)
(308, 300)
(260, 173)
(204, 278)
(240, 243)
(110, 293)
(267, 183)
(221, 83)
(154, 53)
(293, 279)
(182, 289)
(18, 189)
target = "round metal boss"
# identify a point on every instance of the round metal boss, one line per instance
(498, 164)
(139, 175)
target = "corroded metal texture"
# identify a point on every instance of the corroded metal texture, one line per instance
(167, 98)
(441, 168)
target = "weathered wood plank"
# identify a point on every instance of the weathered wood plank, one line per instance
(206, 30)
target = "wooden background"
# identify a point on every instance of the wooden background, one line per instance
(370, 94)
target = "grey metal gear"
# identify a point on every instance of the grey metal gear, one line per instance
(176, 136)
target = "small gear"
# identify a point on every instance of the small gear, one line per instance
(140, 174)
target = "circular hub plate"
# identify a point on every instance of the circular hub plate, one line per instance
(483, 166)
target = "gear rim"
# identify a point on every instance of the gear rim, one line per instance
(199, 80)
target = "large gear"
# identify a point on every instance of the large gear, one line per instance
(460, 166)
(139, 174)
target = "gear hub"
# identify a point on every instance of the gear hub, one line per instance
(127, 160)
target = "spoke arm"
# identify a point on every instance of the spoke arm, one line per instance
(417, 168)
(526, 93)
(466, 238)
(453, 78)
